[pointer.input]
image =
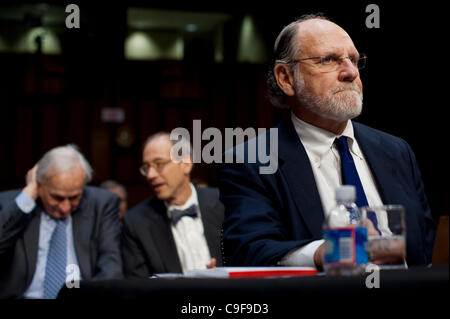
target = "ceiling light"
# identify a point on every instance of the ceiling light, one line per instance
(191, 27)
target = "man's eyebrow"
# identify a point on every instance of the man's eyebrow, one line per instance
(334, 54)
(330, 54)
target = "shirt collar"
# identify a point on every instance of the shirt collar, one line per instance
(319, 142)
(352, 143)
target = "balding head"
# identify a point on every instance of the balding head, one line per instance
(315, 35)
(287, 49)
(316, 73)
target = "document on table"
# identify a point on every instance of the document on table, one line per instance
(250, 272)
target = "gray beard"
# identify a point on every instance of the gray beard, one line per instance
(345, 106)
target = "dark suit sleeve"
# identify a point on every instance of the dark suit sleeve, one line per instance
(428, 223)
(12, 221)
(255, 228)
(109, 262)
(134, 263)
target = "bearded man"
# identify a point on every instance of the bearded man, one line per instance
(276, 219)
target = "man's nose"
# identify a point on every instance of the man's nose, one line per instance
(348, 72)
(151, 173)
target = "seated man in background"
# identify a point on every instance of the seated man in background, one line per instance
(55, 222)
(120, 191)
(179, 228)
(276, 219)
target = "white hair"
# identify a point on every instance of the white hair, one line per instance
(60, 160)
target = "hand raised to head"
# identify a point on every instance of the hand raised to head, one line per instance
(31, 184)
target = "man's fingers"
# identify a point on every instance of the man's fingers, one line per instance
(31, 175)
(212, 264)
(31, 184)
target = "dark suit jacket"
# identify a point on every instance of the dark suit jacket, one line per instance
(266, 216)
(96, 232)
(148, 246)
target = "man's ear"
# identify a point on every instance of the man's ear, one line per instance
(186, 161)
(285, 79)
(39, 189)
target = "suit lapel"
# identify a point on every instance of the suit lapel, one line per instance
(31, 243)
(296, 169)
(210, 222)
(82, 229)
(161, 232)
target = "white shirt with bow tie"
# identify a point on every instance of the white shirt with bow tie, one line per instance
(189, 236)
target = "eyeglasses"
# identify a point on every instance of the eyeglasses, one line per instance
(331, 63)
(157, 165)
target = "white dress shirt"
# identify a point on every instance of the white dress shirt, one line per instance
(326, 166)
(189, 237)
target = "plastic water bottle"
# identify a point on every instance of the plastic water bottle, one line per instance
(345, 237)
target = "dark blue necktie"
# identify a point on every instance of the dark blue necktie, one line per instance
(177, 214)
(350, 177)
(55, 269)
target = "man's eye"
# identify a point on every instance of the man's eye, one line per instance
(327, 60)
(353, 59)
(159, 164)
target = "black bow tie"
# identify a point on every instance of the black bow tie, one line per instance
(176, 214)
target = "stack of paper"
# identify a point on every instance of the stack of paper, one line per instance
(251, 272)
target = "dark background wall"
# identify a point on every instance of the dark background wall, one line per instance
(49, 100)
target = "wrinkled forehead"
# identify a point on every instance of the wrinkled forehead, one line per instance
(320, 37)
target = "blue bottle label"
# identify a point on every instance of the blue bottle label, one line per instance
(346, 245)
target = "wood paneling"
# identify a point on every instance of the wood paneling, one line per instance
(53, 106)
